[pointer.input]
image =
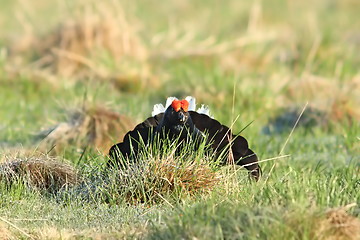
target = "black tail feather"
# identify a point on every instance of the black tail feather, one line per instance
(219, 136)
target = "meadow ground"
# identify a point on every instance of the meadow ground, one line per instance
(76, 75)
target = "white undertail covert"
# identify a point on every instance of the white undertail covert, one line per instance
(159, 108)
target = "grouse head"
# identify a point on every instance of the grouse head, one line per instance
(176, 117)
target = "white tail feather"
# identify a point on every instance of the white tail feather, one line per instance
(204, 110)
(169, 100)
(159, 108)
(192, 103)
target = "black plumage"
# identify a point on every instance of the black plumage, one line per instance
(178, 123)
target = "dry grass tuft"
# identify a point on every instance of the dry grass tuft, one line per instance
(125, 233)
(180, 43)
(96, 127)
(161, 178)
(336, 100)
(41, 171)
(337, 224)
(334, 224)
(97, 41)
(53, 233)
(189, 176)
(5, 233)
(12, 152)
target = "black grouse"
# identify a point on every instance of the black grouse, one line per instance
(179, 121)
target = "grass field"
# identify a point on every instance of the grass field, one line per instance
(76, 75)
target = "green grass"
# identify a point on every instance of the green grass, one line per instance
(321, 171)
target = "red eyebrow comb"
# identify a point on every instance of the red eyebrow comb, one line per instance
(177, 105)
(184, 105)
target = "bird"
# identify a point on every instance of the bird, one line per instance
(180, 120)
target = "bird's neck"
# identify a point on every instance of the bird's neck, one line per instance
(174, 130)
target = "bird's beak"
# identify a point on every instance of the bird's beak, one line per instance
(182, 117)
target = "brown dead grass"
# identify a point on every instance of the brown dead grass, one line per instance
(189, 176)
(126, 232)
(5, 233)
(337, 225)
(39, 171)
(96, 127)
(164, 177)
(78, 47)
(52, 233)
(337, 100)
(334, 224)
(12, 152)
